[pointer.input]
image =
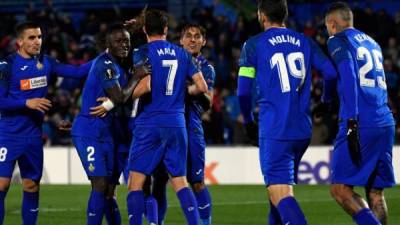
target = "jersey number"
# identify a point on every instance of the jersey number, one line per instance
(371, 57)
(278, 59)
(3, 154)
(90, 151)
(173, 66)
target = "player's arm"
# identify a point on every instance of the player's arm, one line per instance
(65, 70)
(344, 62)
(9, 104)
(324, 66)
(199, 85)
(120, 95)
(142, 88)
(205, 99)
(247, 73)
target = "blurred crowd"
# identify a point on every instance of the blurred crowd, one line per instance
(73, 38)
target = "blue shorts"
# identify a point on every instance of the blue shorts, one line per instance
(97, 157)
(153, 145)
(280, 160)
(27, 151)
(196, 158)
(376, 168)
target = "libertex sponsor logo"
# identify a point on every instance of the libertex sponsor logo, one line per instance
(33, 83)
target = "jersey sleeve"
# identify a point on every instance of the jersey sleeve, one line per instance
(107, 72)
(65, 70)
(247, 60)
(345, 64)
(7, 103)
(324, 65)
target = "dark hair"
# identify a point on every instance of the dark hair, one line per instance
(193, 25)
(155, 21)
(275, 10)
(115, 28)
(20, 28)
(341, 7)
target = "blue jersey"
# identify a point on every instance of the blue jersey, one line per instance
(122, 129)
(171, 66)
(193, 108)
(103, 74)
(23, 79)
(361, 83)
(280, 60)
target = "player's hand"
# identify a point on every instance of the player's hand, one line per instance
(252, 133)
(40, 104)
(321, 109)
(129, 23)
(100, 110)
(65, 125)
(143, 69)
(353, 141)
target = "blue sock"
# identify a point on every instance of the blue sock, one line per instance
(189, 206)
(365, 217)
(273, 218)
(136, 206)
(30, 207)
(151, 210)
(95, 208)
(2, 197)
(290, 212)
(204, 202)
(111, 211)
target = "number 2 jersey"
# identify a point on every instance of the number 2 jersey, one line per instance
(171, 67)
(280, 60)
(361, 83)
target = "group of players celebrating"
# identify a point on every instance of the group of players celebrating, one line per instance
(145, 118)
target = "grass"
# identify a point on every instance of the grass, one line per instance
(232, 205)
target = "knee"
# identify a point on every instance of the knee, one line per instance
(178, 183)
(30, 185)
(340, 192)
(197, 187)
(100, 184)
(375, 195)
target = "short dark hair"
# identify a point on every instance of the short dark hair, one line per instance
(341, 7)
(155, 21)
(275, 10)
(115, 28)
(194, 25)
(20, 28)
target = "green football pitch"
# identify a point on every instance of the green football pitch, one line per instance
(233, 205)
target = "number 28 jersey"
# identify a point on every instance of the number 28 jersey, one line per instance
(171, 67)
(280, 60)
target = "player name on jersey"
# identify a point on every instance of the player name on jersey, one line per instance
(280, 39)
(33, 83)
(166, 51)
(363, 37)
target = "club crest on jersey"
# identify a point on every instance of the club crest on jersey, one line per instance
(39, 65)
(110, 74)
(33, 83)
(91, 167)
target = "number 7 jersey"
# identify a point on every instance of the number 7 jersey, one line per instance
(280, 60)
(171, 67)
(366, 98)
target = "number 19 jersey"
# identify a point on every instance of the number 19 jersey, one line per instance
(171, 67)
(280, 61)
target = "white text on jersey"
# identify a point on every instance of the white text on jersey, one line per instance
(280, 39)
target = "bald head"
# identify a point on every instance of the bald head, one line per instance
(338, 17)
